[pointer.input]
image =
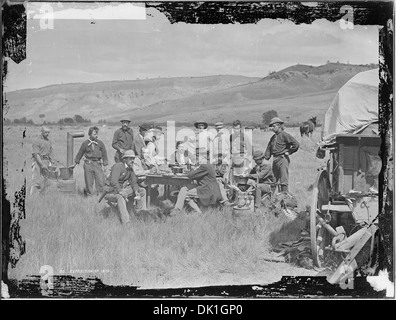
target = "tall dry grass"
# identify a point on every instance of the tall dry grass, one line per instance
(81, 237)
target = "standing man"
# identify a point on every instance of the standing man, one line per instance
(280, 147)
(207, 191)
(240, 143)
(263, 176)
(42, 157)
(122, 140)
(139, 142)
(119, 191)
(95, 154)
(203, 142)
(221, 145)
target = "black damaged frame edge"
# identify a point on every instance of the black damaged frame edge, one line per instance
(365, 13)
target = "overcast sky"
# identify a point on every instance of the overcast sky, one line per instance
(93, 48)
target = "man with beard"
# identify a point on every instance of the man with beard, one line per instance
(122, 140)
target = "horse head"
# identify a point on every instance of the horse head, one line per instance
(313, 120)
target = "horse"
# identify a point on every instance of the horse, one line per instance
(307, 127)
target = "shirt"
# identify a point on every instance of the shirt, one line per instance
(221, 146)
(280, 143)
(184, 158)
(121, 173)
(92, 151)
(42, 147)
(140, 167)
(201, 143)
(240, 143)
(123, 139)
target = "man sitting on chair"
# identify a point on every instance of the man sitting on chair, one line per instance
(207, 191)
(119, 190)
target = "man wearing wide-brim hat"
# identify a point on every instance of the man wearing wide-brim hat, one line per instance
(201, 142)
(123, 139)
(280, 147)
(201, 124)
(120, 193)
(263, 176)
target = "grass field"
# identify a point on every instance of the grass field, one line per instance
(79, 236)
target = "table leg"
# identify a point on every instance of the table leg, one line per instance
(149, 195)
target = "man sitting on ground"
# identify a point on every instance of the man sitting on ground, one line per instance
(123, 184)
(262, 173)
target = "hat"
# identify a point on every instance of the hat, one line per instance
(128, 154)
(219, 125)
(200, 122)
(144, 127)
(156, 129)
(125, 120)
(275, 120)
(258, 155)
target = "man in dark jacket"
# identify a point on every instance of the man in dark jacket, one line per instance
(138, 142)
(262, 175)
(122, 140)
(280, 146)
(119, 191)
(95, 154)
(207, 191)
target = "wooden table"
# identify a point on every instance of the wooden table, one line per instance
(166, 181)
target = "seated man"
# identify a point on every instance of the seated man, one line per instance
(119, 190)
(262, 173)
(181, 156)
(208, 191)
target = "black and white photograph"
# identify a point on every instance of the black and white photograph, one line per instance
(197, 150)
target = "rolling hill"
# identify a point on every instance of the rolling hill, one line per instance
(295, 92)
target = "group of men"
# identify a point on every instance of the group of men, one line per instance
(136, 156)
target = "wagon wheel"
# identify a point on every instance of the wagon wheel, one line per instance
(319, 235)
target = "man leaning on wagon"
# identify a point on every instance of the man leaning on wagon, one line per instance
(122, 184)
(42, 156)
(95, 154)
(122, 140)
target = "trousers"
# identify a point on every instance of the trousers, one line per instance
(38, 180)
(120, 199)
(262, 189)
(93, 172)
(280, 168)
(184, 194)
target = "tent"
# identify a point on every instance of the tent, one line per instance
(355, 106)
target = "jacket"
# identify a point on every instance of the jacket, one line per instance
(138, 145)
(123, 139)
(263, 172)
(119, 174)
(208, 189)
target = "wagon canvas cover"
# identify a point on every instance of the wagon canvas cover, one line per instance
(354, 107)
